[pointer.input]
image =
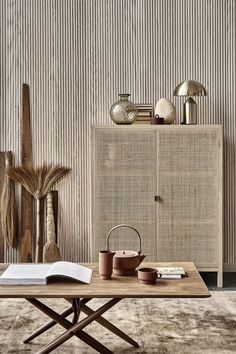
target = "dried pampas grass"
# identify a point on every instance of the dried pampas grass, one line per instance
(38, 181)
(8, 207)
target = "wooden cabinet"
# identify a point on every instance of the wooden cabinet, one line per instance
(167, 182)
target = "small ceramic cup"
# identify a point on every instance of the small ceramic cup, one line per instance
(106, 264)
(147, 275)
(157, 120)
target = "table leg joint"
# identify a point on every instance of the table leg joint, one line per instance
(75, 328)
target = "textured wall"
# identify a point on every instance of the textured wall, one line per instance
(77, 55)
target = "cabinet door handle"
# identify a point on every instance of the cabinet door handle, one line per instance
(157, 198)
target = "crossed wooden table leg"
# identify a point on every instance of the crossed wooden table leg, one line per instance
(75, 328)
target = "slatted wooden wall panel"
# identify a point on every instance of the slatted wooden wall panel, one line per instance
(77, 55)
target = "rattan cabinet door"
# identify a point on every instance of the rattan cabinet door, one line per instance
(189, 185)
(124, 185)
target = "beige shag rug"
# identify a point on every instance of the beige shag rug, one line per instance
(161, 326)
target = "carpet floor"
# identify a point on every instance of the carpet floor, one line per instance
(160, 326)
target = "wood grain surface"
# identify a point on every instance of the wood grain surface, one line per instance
(2, 176)
(26, 198)
(41, 228)
(190, 286)
(55, 211)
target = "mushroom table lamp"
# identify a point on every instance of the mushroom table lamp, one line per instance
(190, 88)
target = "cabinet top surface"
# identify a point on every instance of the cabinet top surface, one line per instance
(159, 126)
(190, 286)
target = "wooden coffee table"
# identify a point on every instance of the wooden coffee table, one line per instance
(117, 289)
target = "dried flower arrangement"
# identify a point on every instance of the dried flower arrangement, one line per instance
(38, 181)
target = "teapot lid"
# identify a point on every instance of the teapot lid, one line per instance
(126, 254)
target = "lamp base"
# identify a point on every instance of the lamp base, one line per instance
(190, 112)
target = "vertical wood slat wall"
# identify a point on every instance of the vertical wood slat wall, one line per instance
(76, 55)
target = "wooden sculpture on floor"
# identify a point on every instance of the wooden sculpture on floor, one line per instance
(8, 206)
(51, 252)
(26, 198)
(38, 181)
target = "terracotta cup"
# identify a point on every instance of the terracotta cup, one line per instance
(147, 275)
(105, 264)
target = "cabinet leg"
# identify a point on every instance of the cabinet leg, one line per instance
(220, 279)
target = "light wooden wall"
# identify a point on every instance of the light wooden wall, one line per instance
(77, 55)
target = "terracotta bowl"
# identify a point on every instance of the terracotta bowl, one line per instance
(147, 275)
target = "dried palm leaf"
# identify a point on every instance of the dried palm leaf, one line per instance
(8, 207)
(38, 182)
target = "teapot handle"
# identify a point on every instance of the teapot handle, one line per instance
(124, 225)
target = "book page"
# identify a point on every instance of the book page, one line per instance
(71, 270)
(25, 274)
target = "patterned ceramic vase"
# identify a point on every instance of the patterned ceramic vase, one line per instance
(123, 111)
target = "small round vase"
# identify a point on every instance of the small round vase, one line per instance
(123, 111)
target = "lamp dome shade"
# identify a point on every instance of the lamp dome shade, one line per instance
(190, 88)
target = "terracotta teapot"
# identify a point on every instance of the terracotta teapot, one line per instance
(125, 262)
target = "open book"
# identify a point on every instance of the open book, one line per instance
(33, 274)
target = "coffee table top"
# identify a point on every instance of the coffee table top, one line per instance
(189, 286)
